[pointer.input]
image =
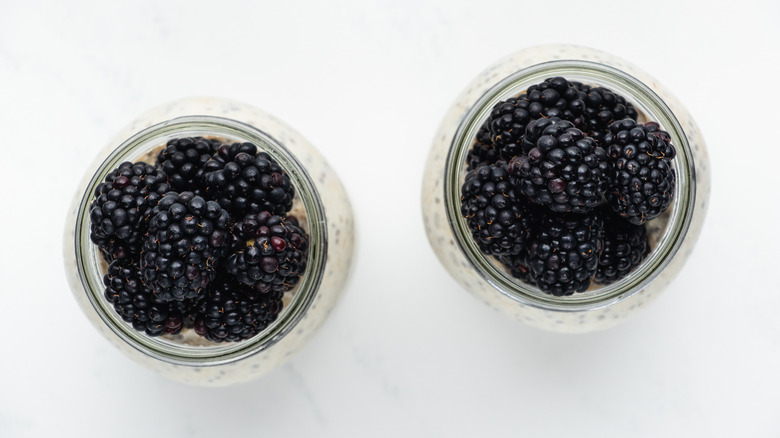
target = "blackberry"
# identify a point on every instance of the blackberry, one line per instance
(642, 179)
(564, 170)
(270, 252)
(183, 159)
(507, 122)
(555, 97)
(232, 312)
(137, 305)
(245, 181)
(499, 220)
(625, 246)
(559, 98)
(482, 152)
(119, 212)
(563, 254)
(187, 236)
(602, 107)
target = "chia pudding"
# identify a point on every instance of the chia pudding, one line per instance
(481, 269)
(320, 210)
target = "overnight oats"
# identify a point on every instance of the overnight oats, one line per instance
(209, 241)
(565, 188)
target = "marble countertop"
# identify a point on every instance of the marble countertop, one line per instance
(406, 352)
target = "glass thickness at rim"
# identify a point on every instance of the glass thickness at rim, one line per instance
(647, 102)
(88, 258)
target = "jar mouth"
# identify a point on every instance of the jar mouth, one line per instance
(89, 261)
(677, 218)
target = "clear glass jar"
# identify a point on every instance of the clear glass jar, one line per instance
(672, 236)
(321, 204)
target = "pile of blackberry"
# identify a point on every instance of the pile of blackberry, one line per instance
(560, 183)
(202, 238)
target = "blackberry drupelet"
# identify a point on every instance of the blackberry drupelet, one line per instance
(232, 312)
(137, 305)
(602, 107)
(269, 252)
(183, 159)
(555, 97)
(245, 181)
(187, 237)
(564, 170)
(563, 254)
(482, 152)
(499, 220)
(625, 247)
(119, 212)
(642, 179)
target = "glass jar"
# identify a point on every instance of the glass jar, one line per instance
(671, 236)
(320, 202)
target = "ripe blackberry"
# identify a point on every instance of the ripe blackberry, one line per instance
(232, 312)
(564, 170)
(559, 98)
(499, 220)
(183, 159)
(563, 254)
(245, 181)
(507, 122)
(270, 252)
(187, 237)
(119, 212)
(625, 246)
(602, 107)
(642, 179)
(137, 305)
(482, 152)
(555, 97)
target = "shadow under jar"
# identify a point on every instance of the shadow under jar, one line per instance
(671, 236)
(320, 203)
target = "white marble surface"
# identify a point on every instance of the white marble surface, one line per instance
(406, 352)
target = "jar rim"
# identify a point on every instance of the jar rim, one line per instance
(647, 101)
(88, 258)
